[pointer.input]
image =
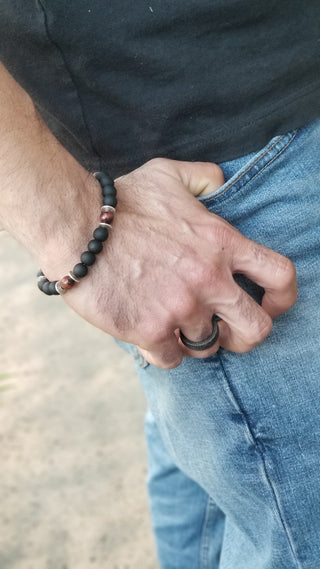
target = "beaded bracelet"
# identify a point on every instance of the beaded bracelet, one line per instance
(95, 246)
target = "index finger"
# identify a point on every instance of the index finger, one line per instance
(272, 271)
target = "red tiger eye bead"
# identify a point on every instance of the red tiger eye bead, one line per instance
(66, 282)
(106, 217)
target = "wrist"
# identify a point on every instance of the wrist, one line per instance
(47, 200)
(51, 203)
(94, 245)
(65, 232)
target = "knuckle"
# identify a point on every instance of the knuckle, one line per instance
(206, 353)
(264, 329)
(196, 277)
(167, 356)
(152, 333)
(257, 332)
(156, 162)
(205, 275)
(156, 337)
(184, 308)
(171, 364)
(245, 349)
(216, 170)
(286, 273)
(293, 298)
(223, 236)
(213, 173)
(215, 233)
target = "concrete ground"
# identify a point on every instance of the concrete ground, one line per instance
(72, 455)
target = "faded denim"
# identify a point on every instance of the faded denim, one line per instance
(234, 440)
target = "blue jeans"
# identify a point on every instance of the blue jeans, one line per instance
(234, 439)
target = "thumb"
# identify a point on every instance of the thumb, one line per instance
(201, 178)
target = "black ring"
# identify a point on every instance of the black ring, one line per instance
(202, 344)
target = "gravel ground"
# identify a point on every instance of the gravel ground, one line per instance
(72, 454)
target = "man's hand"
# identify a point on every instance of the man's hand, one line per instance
(169, 266)
(169, 263)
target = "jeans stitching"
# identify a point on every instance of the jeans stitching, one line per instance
(205, 538)
(207, 201)
(257, 445)
(276, 156)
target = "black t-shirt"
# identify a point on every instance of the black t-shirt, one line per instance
(122, 82)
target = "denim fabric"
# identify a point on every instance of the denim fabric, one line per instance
(234, 439)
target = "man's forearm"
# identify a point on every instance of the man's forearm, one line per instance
(46, 197)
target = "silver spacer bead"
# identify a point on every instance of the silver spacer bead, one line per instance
(60, 290)
(73, 277)
(107, 225)
(108, 208)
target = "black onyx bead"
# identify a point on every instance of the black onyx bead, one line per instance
(100, 234)
(109, 196)
(95, 246)
(52, 287)
(46, 288)
(42, 282)
(103, 178)
(88, 258)
(109, 191)
(80, 270)
(110, 200)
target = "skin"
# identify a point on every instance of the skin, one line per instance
(169, 263)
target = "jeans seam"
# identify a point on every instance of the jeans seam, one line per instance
(257, 445)
(258, 159)
(205, 540)
(294, 134)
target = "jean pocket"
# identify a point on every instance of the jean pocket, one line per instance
(247, 168)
